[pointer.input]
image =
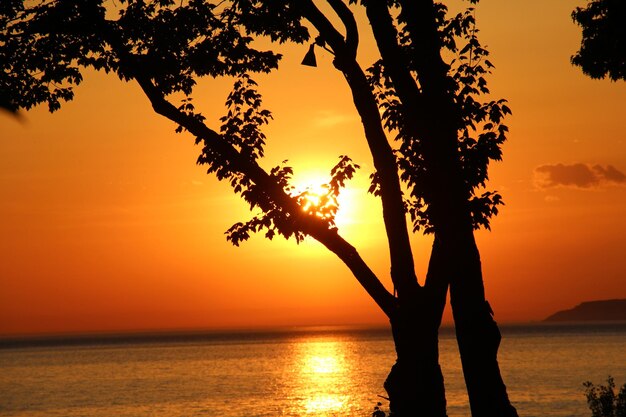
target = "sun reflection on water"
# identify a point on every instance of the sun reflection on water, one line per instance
(323, 376)
(322, 365)
(324, 403)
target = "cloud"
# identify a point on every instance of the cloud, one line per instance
(327, 119)
(578, 176)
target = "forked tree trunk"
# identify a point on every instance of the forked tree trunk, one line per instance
(415, 383)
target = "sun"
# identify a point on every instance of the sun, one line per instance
(316, 198)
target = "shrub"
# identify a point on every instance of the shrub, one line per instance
(602, 400)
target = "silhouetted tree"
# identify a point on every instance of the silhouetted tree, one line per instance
(603, 47)
(424, 93)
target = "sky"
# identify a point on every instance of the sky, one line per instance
(107, 223)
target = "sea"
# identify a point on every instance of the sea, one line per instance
(329, 371)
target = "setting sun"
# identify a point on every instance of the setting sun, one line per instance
(316, 198)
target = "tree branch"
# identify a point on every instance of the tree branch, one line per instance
(394, 60)
(311, 225)
(308, 224)
(352, 31)
(402, 266)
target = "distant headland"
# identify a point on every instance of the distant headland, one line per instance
(604, 310)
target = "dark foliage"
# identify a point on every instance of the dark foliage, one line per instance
(603, 47)
(481, 130)
(42, 47)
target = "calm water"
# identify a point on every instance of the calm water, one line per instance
(301, 373)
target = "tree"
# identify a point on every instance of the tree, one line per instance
(603, 47)
(424, 92)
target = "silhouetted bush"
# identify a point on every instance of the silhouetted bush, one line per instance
(602, 400)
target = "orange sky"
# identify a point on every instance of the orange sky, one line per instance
(106, 223)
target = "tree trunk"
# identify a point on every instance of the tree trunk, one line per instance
(477, 335)
(415, 384)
